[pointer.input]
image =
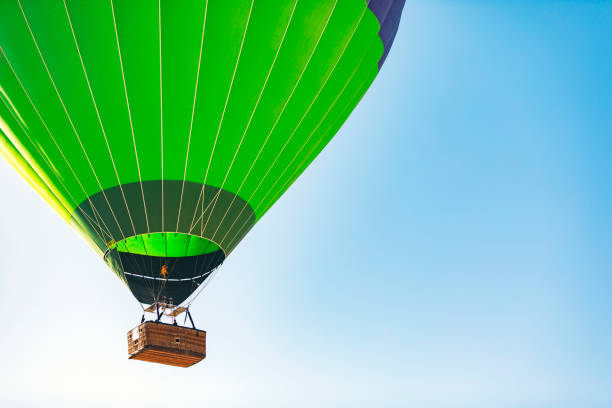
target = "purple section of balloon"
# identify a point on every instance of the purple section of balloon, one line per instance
(388, 13)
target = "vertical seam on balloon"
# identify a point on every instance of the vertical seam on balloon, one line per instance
(127, 102)
(195, 211)
(249, 123)
(300, 122)
(229, 92)
(110, 154)
(195, 96)
(285, 105)
(161, 113)
(68, 116)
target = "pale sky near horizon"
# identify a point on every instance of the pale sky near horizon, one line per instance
(451, 247)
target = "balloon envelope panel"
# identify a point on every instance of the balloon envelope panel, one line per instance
(163, 131)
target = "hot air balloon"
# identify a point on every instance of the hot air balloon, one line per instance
(162, 131)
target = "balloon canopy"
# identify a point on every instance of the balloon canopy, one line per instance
(164, 130)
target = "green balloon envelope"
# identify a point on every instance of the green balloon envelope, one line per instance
(164, 130)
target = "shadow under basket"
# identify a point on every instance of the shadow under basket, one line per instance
(163, 343)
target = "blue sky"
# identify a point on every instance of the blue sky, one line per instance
(450, 248)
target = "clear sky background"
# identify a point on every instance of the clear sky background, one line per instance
(451, 247)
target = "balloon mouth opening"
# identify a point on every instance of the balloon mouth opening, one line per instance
(164, 265)
(166, 245)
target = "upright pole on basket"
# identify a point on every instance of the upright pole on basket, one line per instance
(190, 319)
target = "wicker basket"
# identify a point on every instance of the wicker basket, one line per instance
(166, 344)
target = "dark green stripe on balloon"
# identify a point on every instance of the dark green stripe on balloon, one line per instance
(118, 213)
